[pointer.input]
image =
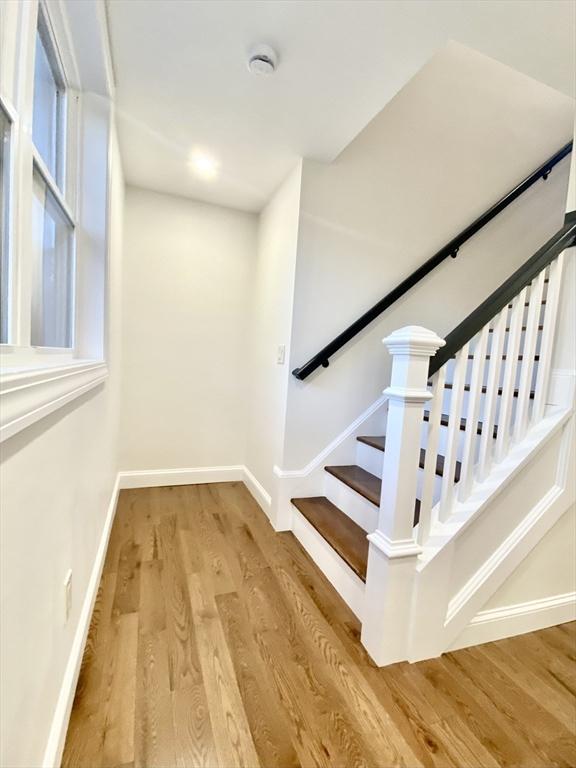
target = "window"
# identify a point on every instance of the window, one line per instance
(49, 93)
(52, 345)
(52, 270)
(52, 224)
(4, 218)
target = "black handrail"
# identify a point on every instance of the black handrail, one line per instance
(502, 296)
(323, 357)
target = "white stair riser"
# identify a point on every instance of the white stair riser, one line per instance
(371, 459)
(446, 403)
(359, 509)
(506, 339)
(450, 372)
(339, 574)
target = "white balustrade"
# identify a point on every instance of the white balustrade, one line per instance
(498, 389)
(547, 340)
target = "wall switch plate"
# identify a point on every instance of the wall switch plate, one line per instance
(281, 354)
(67, 595)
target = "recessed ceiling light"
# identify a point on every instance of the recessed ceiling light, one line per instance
(203, 164)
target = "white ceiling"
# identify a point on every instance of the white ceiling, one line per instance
(183, 83)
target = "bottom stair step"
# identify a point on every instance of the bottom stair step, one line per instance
(365, 483)
(342, 533)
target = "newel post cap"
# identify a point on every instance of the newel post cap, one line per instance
(413, 340)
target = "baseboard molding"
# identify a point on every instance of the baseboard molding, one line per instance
(187, 476)
(59, 727)
(258, 491)
(497, 623)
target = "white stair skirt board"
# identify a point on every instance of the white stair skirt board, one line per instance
(339, 574)
(59, 727)
(507, 621)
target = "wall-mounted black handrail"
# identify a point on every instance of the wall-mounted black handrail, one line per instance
(323, 357)
(502, 296)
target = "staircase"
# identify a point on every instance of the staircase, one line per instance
(365, 477)
(466, 420)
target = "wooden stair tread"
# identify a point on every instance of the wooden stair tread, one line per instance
(361, 481)
(449, 385)
(527, 304)
(374, 441)
(444, 419)
(379, 442)
(504, 357)
(340, 531)
(365, 483)
(524, 328)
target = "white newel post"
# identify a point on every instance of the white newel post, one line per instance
(393, 549)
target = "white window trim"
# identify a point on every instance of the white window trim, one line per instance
(28, 396)
(35, 381)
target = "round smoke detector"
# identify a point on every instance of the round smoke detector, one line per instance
(263, 60)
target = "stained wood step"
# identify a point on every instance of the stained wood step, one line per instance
(365, 483)
(527, 304)
(379, 442)
(342, 533)
(449, 385)
(361, 481)
(444, 419)
(505, 357)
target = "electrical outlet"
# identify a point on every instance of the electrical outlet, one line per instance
(281, 354)
(67, 595)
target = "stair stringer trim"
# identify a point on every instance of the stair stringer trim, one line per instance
(441, 611)
(310, 480)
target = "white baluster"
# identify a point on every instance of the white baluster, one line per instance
(474, 398)
(492, 389)
(528, 353)
(510, 369)
(547, 341)
(447, 496)
(434, 427)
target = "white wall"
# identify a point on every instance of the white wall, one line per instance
(273, 294)
(57, 478)
(549, 569)
(462, 133)
(188, 270)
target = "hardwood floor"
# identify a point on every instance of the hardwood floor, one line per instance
(216, 642)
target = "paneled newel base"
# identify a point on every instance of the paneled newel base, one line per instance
(388, 598)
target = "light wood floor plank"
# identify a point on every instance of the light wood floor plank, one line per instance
(216, 642)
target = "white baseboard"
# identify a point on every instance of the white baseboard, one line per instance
(497, 623)
(59, 727)
(258, 491)
(154, 478)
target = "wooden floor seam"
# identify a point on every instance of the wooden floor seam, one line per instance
(217, 642)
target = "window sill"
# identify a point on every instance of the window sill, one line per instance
(27, 394)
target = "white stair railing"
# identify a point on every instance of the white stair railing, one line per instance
(497, 393)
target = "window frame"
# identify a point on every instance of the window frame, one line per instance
(37, 380)
(18, 351)
(8, 174)
(64, 162)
